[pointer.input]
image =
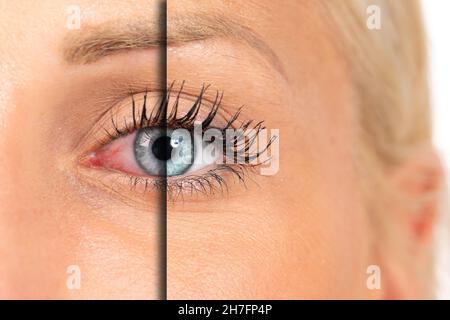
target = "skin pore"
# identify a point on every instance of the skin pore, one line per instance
(301, 233)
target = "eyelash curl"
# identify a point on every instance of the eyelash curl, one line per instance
(212, 181)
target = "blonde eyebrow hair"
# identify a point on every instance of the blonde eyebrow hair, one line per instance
(109, 38)
(96, 42)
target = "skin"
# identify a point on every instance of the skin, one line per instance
(302, 233)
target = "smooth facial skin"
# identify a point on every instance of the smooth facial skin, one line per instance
(302, 233)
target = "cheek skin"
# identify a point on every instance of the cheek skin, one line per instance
(46, 226)
(302, 233)
(285, 245)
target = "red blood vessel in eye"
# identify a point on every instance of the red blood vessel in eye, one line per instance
(117, 155)
(106, 157)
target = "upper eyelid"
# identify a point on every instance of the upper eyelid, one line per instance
(104, 129)
(120, 103)
(207, 100)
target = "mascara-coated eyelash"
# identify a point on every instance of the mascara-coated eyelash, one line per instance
(158, 116)
(166, 115)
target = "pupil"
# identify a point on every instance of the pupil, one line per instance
(162, 149)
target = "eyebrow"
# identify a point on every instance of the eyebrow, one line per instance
(110, 38)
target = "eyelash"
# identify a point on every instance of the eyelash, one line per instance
(206, 183)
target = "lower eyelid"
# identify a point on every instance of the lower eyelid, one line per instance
(141, 192)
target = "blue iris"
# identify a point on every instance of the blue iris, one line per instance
(161, 151)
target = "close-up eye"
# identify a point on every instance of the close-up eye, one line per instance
(154, 151)
(162, 151)
(189, 142)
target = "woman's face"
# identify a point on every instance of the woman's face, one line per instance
(69, 210)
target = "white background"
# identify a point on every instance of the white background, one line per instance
(437, 18)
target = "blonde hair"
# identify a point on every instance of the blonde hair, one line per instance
(389, 67)
(389, 70)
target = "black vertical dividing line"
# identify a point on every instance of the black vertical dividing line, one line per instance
(162, 10)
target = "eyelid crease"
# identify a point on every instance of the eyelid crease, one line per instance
(118, 95)
(147, 117)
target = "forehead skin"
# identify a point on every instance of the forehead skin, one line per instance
(295, 241)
